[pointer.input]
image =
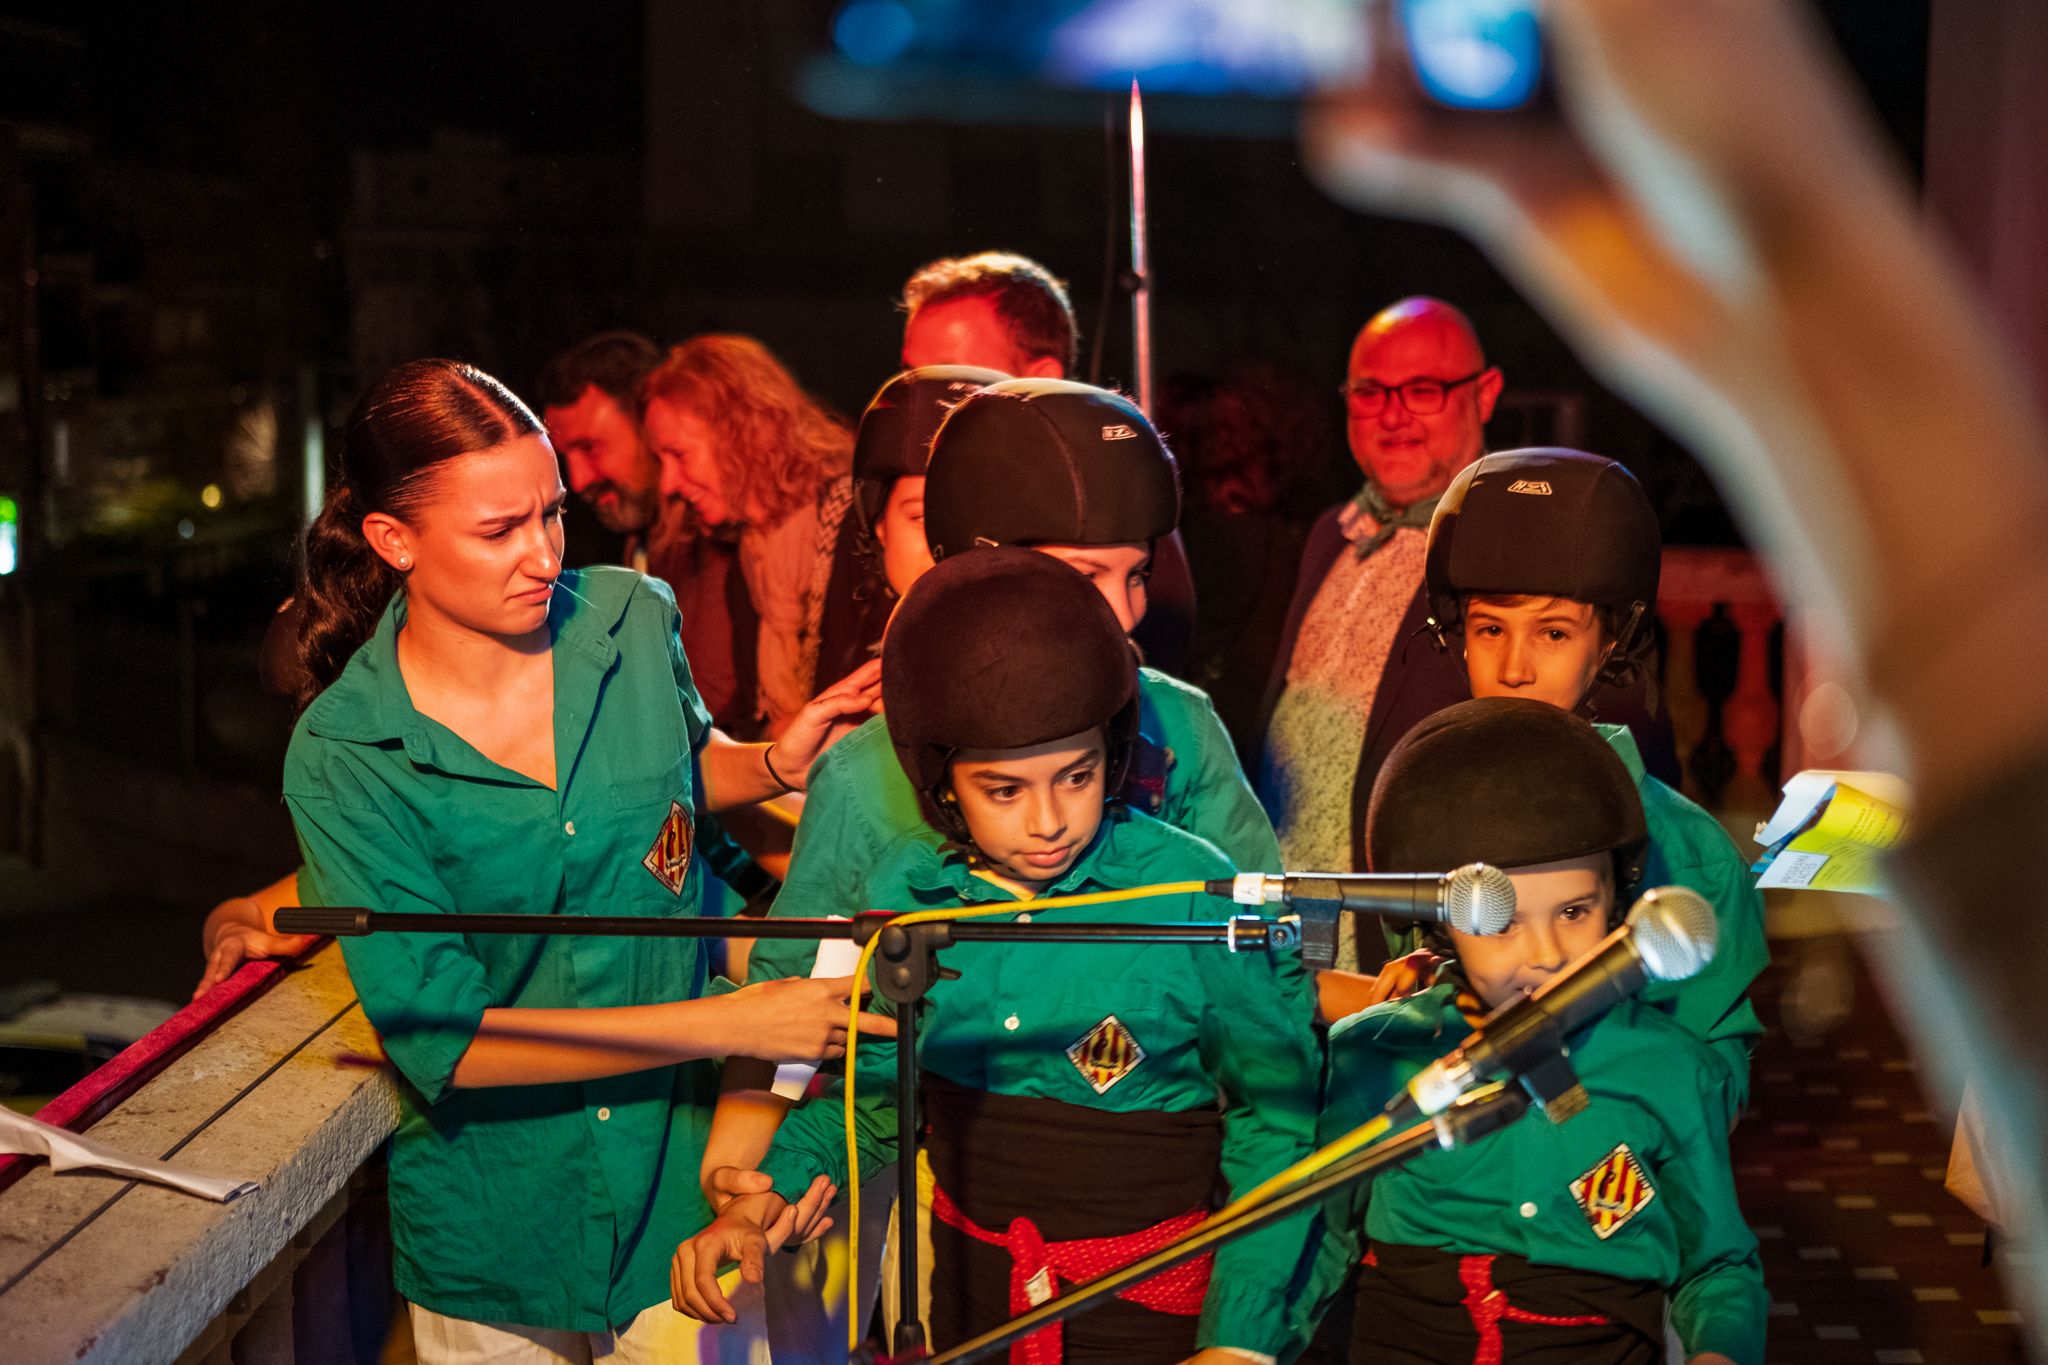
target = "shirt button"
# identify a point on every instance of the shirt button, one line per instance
(1011, 1023)
(569, 827)
(1528, 1210)
(603, 1115)
(1024, 918)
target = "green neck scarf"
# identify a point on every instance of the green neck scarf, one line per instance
(1390, 519)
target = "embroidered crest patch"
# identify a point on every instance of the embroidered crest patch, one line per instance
(669, 859)
(1613, 1192)
(1106, 1054)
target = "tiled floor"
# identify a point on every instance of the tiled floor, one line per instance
(1840, 1164)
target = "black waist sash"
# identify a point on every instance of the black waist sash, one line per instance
(1076, 1173)
(1423, 1304)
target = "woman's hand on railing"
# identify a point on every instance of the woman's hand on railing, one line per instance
(238, 930)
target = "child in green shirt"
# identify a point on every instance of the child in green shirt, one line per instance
(1542, 569)
(1086, 1102)
(1544, 1241)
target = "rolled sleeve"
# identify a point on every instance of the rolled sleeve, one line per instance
(812, 1139)
(696, 720)
(424, 993)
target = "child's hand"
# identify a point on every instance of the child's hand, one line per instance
(1340, 994)
(1407, 975)
(748, 1228)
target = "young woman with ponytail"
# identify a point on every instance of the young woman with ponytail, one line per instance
(485, 732)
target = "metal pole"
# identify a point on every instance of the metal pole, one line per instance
(910, 1334)
(1141, 260)
(1247, 932)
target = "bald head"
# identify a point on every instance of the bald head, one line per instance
(1428, 328)
(1414, 455)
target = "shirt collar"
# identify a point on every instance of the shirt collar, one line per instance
(369, 704)
(1622, 740)
(1369, 521)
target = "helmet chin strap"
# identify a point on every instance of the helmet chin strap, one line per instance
(1620, 643)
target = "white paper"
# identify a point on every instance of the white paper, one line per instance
(1791, 871)
(67, 1151)
(836, 957)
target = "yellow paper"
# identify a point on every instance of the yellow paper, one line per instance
(1840, 850)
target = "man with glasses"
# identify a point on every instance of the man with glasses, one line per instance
(1354, 670)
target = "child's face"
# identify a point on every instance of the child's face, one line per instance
(1121, 573)
(900, 533)
(1032, 812)
(1540, 648)
(1560, 914)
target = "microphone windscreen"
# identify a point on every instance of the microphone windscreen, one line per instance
(1674, 930)
(1479, 899)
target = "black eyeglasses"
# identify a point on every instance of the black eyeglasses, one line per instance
(1423, 397)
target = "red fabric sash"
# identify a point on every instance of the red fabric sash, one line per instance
(1488, 1308)
(1178, 1291)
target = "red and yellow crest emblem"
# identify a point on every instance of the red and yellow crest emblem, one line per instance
(1106, 1054)
(1614, 1191)
(669, 859)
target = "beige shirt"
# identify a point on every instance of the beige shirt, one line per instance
(786, 565)
(1333, 677)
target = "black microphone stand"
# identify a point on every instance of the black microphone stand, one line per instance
(906, 966)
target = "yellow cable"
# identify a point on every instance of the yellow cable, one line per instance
(1304, 1170)
(1307, 1168)
(860, 974)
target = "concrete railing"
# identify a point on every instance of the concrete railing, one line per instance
(1722, 676)
(290, 1091)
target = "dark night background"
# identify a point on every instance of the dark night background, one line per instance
(221, 218)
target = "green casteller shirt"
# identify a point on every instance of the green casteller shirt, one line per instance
(1210, 1022)
(1672, 1220)
(547, 1205)
(1689, 848)
(859, 803)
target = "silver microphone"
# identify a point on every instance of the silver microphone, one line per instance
(1475, 899)
(1669, 936)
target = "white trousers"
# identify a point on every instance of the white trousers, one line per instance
(798, 1317)
(659, 1335)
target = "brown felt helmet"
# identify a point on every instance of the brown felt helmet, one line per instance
(1003, 649)
(1048, 462)
(1505, 781)
(1547, 522)
(895, 437)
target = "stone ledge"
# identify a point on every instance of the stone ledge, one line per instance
(292, 1091)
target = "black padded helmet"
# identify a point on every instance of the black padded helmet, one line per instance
(895, 437)
(1510, 782)
(1047, 461)
(1549, 523)
(1003, 650)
